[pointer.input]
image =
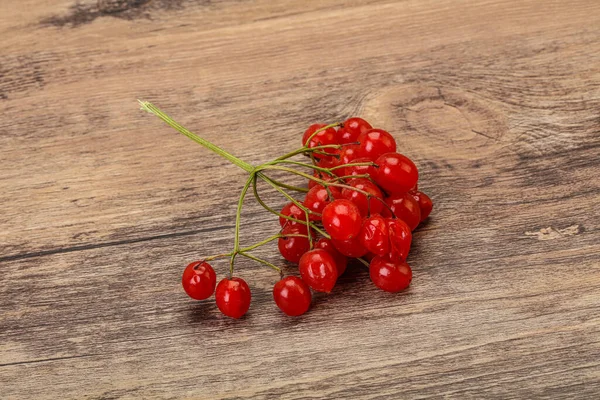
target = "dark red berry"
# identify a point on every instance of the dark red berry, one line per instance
(372, 205)
(341, 219)
(375, 236)
(233, 297)
(318, 197)
(389, 275)
(351, 248)
(361, 169)
(396, 173)
(425, 204)
(405, 207)
(376, 142)
(199, 280)
(341, 262)
(293, 247)
(292, 296)
(352, 129)
(291, 210)
(318, 270)
(400, 239)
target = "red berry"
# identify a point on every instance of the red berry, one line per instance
(233, 297)
(352, 128)
(320, 175)
(376, 142)
(348, 154)
(350, 248)
(291, 210)
(341, 219)
(318, 270)
(425, 204)
(318, 197)
(372, 205)
(292, 296)
(405, 207)
(322, 138)
(199, 280)
(341, 262)
(400, 239)
(375, 236)
(396, 173)
(293, 247)
(389, 275)
(361, 169)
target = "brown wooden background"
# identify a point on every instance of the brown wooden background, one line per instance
(102, 205)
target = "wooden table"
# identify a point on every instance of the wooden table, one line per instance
(497, 101)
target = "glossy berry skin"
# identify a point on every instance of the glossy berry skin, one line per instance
(233, 297)
(400, 237)
(293, 247)
(317, 198)
(350, 248)
(348, 154)
(389, 275)
(425, 204)
(376, 142)
(360, 200)
(318, 270)
(361, 169)
(321, 175)
(405, 207)
(292, 296)
(199, 280)
(396, 173)
(342, 219)
(352, 129)
(341, 261)
(326, 137)
(375, 236)
(291, 210)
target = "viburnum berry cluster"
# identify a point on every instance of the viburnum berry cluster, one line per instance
(362, 202)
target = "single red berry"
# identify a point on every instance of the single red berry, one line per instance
(389, 275)
(351, 247)
(361, 169)
(199, 280)
(292, 296)
(341, 261)
(318, 197)
(293, 247)
(425, 204)
(318, 270)
(375, 236)
(400, 238)
(396, 173)
(291, 210)
(233, 297)
(376, 142)
(323, 138)
(320, 175)
(348, 154)
(352, 129)
(372, 205)
(341, 219)
(405, 207)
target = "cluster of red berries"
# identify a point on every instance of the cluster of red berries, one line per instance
(362, 203)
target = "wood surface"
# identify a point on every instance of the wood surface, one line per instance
(497, 101)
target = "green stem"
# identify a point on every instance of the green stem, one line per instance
(238, 219)
(260, 260)
(290, 187)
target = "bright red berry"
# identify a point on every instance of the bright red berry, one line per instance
(425, 203)
(233, 297)
(291, 210)
(352, 129)
(361, 169)
(375, 236)
(324, 137)
(396, 173)
(351, 248)
(342, 220)
(376, 142)
(320, 175)
(405, 207)
(389, 275)
(341, 262)
(348, 154)
(400, 237)
(292, 296)
(293, 247)
(365, 205)
(318, 197)
(318, 270)
(199, 280)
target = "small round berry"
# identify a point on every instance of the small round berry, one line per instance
(320, 175)
(400, 239)
(396, 173)
(293, 247)
(348, 154)
(425, 204)
(352, 129)
(324, 137)
(341, 261)
(342, 220)
(233, 297)
(350, 248)
(389, 275)
(318, 197)
(361, 169)
(375, 236)
(291, 210)
(292, 296)
(199, 280)
(405, 207)
(318, 270)
(373, 205)
(376, 142)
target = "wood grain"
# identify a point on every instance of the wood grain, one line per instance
(497, 101)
